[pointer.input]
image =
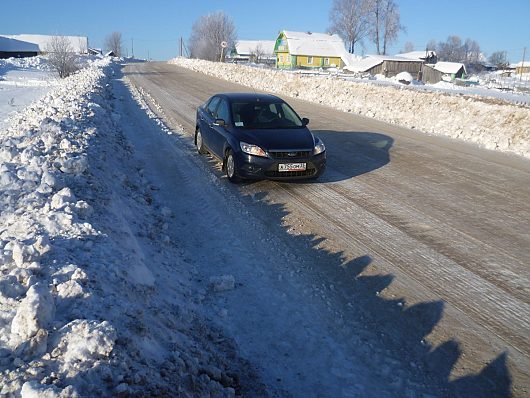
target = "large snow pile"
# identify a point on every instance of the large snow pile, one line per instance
(80, 312)
(39, 63)
(490, 124)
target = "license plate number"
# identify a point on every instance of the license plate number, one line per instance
(292, 167)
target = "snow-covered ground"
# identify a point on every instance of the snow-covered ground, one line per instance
(83, 312)
(22, 81)
(492, 123)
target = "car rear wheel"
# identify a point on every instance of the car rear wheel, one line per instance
(230, 167)
(198, 141)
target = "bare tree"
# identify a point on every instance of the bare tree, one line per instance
(431, 45)
(499, 59)
(453, 50)
(61, 56)
(385, 22)
(207, 34)
(409, 47)
(472, 54)
(257, 54)
(350, 19)
(114, 43)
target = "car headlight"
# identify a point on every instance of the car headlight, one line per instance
(252, 149)
(319, 147)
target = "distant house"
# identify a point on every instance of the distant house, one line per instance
(248, 50)
(447, 71)
(309, 50)
(32, 45)
(522, 67)
(17, 48)
(385, 65)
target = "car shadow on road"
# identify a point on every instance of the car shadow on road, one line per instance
(353, 153)
(394, 332)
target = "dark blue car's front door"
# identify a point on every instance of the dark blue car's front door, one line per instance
(206, 122)
(219, 132)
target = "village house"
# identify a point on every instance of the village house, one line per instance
(386, 65)
(309, 50)
(447, 71)
(19, 46)
(260, 51)
(522, 67)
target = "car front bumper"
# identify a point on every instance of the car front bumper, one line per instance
(257, 167)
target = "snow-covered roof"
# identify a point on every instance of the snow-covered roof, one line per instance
(448, 67)
(42, 42)
(247, 47)
(520, 64)
(364, 64)
(417, 55)
(8, 44)
(315, 44)
(368, 62)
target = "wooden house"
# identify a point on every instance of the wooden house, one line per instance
(448, 71)
(385, 65)
(309, 50)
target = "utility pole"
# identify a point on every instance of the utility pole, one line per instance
(132, 47)
(180, 50)
(522, 67)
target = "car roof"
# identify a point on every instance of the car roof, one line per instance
(250, 97)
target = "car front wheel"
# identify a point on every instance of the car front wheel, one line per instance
(198, 142)
(230, 168)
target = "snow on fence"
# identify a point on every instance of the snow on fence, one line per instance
(491, 124)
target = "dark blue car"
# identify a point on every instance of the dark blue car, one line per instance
(258, 136)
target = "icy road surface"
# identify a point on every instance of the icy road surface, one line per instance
(409, 259)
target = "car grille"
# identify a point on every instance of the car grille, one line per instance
(289, 154)
(287, 174)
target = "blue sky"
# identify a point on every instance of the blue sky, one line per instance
(156, 25)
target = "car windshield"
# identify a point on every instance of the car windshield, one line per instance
(264, 115)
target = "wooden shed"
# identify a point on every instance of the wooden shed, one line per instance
(385, 65)
(448, 71)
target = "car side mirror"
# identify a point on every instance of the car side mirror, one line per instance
(305, 121)
(220, 122)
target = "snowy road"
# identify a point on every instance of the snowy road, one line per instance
(404, 270)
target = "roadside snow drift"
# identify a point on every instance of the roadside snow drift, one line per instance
(80, 314)
(489, 123)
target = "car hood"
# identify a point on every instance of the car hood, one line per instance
(279, 139)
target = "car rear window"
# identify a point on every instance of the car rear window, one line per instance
(264, 115)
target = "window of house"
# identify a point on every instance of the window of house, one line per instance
(280, 59)
(310, 60)
(326, 61)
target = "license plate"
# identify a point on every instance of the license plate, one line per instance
(292, 166)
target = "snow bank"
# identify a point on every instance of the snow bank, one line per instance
(42, 154)
(39, 63)
(491, 124)
(89, 305)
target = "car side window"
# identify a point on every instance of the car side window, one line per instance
(212, 106)
(223, 111)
